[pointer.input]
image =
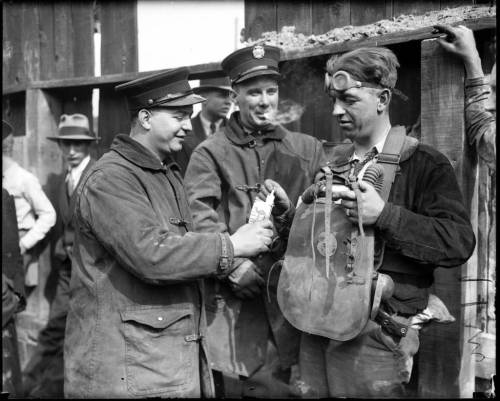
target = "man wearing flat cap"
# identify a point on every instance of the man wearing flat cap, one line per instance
(136, 322)
(252, 347)
(44, 374)
(213, 115)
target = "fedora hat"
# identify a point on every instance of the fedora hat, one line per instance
(221, 83)
(73, 127)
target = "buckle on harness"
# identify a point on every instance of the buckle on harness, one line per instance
(248, 188)
(389, 158)
(193, 337)
(178, 222)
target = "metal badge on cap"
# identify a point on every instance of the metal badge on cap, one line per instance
(258, 51)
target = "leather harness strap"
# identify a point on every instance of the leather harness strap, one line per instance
(389, 160)
(328, 209)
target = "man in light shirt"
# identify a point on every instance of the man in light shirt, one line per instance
(44, 375)
(35, 214)
(213, 115)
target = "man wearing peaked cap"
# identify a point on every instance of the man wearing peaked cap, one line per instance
(213, 115)
(44, 375)
(135, 326)
(223, 178)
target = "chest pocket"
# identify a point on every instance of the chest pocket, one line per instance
(160, 354)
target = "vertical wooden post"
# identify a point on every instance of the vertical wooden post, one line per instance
(119, 53)
(42, 158)
(446, 365)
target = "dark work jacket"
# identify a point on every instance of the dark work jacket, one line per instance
(135, 325)
(64, 208)
(12, 262)
(424, 224)
(193, 139)
(221, 184)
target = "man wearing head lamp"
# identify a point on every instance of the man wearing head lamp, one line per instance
(422, 225)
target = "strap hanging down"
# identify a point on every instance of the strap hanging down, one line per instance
(389, 160)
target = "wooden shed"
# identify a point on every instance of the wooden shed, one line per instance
(48, 69)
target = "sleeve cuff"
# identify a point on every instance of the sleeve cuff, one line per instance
(26, 242)
(389, 218)
(478, 81)
(226, 255)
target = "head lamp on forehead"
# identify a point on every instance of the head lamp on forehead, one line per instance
(342, 81)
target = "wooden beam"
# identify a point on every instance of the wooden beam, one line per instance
(446, 367)
(209, 70)
(382, 40)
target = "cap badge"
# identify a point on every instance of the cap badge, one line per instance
(258, 51)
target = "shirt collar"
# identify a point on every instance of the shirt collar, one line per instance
(206, 124)
(379, 146)
(78, 170)
(136, 153)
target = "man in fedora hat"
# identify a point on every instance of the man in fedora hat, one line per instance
(44, 375)
(213, 115)
(252, 347)
(136, 323)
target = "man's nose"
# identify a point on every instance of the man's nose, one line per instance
(337, 109)
(264, 99)
(186, 125)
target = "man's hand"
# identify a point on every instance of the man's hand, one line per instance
(371, 203)
(22, 249)
(252, 238)
(460, 41)
(245, 280)
(281, 201)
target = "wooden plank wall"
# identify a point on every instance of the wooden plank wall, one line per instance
(43, 40)
(119, 54)
(445, 356)
(315, 17)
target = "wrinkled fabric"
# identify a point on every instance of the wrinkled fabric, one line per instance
(480, 124)
(135, 325)
(423, 225)
(222, 181)
(373, 365)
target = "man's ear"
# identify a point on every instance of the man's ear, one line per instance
(144, 118)
(384, 99)
(234, 95)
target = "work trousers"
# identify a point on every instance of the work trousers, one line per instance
(372, 365)
(44, 374)
(269, 381)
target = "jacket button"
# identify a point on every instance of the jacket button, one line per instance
(160, 318)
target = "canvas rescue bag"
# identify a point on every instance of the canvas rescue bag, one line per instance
(328, 283)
